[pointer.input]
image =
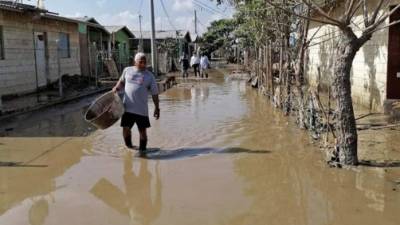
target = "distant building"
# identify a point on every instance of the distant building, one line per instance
(170, 45)
(31, 41)
(95, 45)
(182, 37)
(121, 48)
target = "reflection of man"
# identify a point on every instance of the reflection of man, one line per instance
(138, 82)
(138, 192)
(137, 201)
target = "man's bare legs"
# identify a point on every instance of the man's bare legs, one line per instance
(143, 139)
(126, 132)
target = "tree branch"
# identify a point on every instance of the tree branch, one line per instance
(302, 16)
(349, 10)
(365, 13)
(372, 28)
(321, 12)
(376, 12)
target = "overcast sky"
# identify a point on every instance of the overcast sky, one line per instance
(126, 12)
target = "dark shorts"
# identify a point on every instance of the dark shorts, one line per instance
(129, 119)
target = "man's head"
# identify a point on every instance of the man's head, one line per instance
(140, 61)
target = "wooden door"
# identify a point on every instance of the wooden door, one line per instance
(40, 58)
(393, 74)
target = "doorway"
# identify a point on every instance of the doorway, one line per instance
(40, 58)
(393, 73)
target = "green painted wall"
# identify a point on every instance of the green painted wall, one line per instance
(122, 38)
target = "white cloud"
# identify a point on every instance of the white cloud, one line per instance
(163, 24)
(101, 3)
(185, 23)
(126, 18)
(182, 5)
(76, 14)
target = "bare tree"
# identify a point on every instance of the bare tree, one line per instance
(374, 18)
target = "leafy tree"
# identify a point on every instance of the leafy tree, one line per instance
(219, 35)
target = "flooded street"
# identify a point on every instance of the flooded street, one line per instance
(226, 158)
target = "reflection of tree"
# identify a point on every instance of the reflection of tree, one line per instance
(137, 201)
(289, 187)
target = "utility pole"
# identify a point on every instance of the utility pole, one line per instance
(60, 84)
(195, 31)
(153, 40)
(195, 21)
(141, 35)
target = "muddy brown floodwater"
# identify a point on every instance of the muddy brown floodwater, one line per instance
(226, 158)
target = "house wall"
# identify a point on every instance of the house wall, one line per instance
(124, 55)
(17, 70)
(84, 49)
(122, 37)
(369, 71)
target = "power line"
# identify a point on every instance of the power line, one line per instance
(207, 7)
(166, 14)
(140, 7)
(203, 9)
(201, 23)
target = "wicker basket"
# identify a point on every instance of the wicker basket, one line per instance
(105, 111)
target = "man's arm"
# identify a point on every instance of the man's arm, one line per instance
(154, 95)
(120, 83)
(156, 101)
(118, 86)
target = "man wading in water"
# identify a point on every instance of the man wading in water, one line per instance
(137, 82)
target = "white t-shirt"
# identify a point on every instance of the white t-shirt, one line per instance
(138, 85)
(204, 62)
(194, 60)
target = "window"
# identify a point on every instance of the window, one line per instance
(63, 46)
(1, 44)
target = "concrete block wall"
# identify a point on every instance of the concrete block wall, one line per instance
(17, 70)
(369, 71)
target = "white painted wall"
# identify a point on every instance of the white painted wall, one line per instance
(369, 72)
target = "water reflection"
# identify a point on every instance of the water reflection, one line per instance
(42, 160)
(38, 212)
(294, 186)
(58, 121)
(137, 200)
(226, 185)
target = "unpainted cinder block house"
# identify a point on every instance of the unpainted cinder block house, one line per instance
(36, 47)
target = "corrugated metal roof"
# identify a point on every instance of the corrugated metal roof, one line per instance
(162, 34)
(19, 7)
(115, 29)
(86, 19)
(90, 21)
(14, 6)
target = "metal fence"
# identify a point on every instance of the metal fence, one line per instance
(98, 58)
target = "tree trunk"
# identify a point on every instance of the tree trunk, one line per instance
(347, 137)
